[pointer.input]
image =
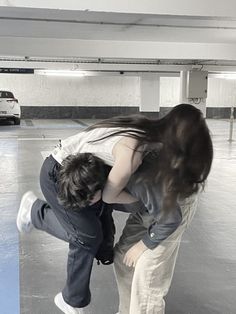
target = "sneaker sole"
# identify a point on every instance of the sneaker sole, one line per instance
(20, 212)
(58, 304)
(63, 308)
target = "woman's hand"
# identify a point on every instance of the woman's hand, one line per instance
(133, 254)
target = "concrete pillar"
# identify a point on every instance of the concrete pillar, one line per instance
(200, 104)
(150, 93)
(183, 88)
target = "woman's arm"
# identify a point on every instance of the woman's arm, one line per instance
(127, 160)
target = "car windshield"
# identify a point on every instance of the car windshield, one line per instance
(6, 95)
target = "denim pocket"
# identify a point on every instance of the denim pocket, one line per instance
(88, 240)
(86, 243)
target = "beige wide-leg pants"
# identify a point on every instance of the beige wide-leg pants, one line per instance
(142, 289)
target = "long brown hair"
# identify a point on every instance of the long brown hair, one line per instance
(184, 161)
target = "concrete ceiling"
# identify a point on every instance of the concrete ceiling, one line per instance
(102, 35)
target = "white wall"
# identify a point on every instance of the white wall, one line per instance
(221, 92)
(169, 91)
(36, 90)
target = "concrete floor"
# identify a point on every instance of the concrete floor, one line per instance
(32, 267)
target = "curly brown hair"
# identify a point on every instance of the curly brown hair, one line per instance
(79, 178)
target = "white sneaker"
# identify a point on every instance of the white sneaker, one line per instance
(66, 308)
(23, 220)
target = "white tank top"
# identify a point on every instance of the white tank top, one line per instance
(79, 143)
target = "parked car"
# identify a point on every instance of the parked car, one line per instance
(9, 107)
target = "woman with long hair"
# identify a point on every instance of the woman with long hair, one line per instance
(176, 153)
(180, 140)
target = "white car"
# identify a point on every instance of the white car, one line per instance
(9, 107)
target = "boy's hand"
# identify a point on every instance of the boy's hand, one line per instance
(133, 254)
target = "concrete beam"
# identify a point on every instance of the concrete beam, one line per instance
(39, 47)
(114, 69)
(95, 66)
(211, 8)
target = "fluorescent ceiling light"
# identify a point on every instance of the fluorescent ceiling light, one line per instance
(74, 73)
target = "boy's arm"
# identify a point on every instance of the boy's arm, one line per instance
(134, 207)
(105, 252)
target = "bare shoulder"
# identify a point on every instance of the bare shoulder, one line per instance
(126, 154)
(125, 144)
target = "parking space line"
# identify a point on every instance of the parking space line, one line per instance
(9, 236)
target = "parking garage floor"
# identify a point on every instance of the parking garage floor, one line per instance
(32, 267)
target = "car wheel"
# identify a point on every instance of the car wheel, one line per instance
(17, 121)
